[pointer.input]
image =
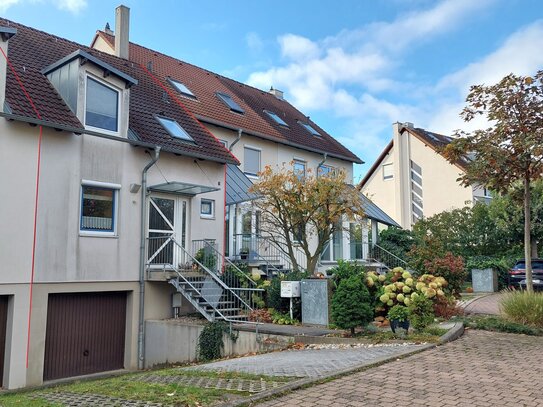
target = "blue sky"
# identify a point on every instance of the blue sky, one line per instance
(354, 66)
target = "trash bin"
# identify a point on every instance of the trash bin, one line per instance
(484, 281)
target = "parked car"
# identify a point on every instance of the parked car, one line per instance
(517, 274)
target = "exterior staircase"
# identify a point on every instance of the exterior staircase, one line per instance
(212, 284)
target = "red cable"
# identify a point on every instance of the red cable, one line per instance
(35, 202)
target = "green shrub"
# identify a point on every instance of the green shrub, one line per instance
(421, 311)
(206, 257)
(451, 268)
(273, 294)
(523, 307)
(398, 312)
(345, 269)
(498, 324)
(351, 304)
(210, 342)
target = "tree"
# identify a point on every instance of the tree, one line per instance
(351, 304)
(510, 150)
(304, 211)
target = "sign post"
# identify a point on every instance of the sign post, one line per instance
(290, 289)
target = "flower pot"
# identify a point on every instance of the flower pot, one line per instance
(395, 323)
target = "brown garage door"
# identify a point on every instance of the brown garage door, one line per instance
(85, 334)
(3, 327)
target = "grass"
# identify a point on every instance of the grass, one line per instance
(498, 324)
(130, 388)
(523, 307)
(430, 334)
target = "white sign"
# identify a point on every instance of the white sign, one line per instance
(290, 289)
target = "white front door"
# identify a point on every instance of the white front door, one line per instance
(167, 222)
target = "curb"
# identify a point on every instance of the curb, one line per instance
(452, 334)
(298, 384)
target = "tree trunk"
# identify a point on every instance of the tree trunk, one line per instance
(352, 332)
(527, 235)
(535, 254)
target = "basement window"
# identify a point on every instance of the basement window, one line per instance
(181, 88)
(231, 103)
(174, 128)
(276, 118)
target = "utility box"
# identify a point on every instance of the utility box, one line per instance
(316, 301)
(484, 281)
(290, 289)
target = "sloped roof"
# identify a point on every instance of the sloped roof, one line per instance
(372, 211)
(208, 107)
(31, 51)
(237, 186)
(435, 141)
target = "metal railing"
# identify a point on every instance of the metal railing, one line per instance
(263, 249)
(382, 255)
(201, 284)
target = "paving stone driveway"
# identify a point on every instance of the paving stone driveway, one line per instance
(308, 362)
(480, 369)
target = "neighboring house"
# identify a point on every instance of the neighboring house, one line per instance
(411, 179)
(120, 166)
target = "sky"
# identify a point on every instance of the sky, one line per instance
(354, 66)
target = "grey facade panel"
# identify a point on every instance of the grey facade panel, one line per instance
(374, 212)
(237, 186)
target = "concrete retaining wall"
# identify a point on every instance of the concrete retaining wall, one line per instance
(171, 341)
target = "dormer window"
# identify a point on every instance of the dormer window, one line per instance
(181, 88)
(231, 103)
(309, 128)
(276, 118)
(174, 128)
(101, 106)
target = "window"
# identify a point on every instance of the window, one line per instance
(252, 161)
(388, 171)
(174, 129)
(228, 101)
(276, 118)
(299, 168)
(417, 205)
(207, 208)
(181, 88)
(98, 209)
(102, 106)
(325, 170)
(309, 128)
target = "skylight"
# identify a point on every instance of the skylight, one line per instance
(309, 128)
(181, 88)
(277, 119)
(228, 101)
(174, 129)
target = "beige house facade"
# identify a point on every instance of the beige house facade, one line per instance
(411, 179)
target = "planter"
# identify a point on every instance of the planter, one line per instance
(395, 323)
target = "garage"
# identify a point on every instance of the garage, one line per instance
(3, 328)
(85, 334)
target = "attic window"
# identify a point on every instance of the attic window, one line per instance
(102, 106)
(181, 88)
(228, 101)
(174, 128)
(309, 128)
(276, 118)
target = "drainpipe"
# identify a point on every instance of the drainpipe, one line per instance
(236, 140)
(324, 158)
(141, 333)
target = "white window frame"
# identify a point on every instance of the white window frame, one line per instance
(259, 150)
(330, 168)
(115, 213)
(207, 215)
(119, 103)
(385, 176)
(301, 162)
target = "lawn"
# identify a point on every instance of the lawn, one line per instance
(129, 387)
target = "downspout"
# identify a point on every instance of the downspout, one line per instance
(324, 158)
(236, 140)
(143, 217)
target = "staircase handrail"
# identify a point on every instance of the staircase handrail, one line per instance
(400, 260)
(231, 263)
(285, 257)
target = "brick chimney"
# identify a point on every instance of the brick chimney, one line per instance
(5, 34)
(122, 26)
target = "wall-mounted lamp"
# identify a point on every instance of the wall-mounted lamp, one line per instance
(134, 188)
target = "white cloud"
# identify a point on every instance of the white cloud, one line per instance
(73, 6)
(254, 42)
(298, 48)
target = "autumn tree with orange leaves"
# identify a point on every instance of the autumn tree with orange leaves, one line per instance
(510, 151)
(302, 211)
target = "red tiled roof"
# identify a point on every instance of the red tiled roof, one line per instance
(31, 50)
(207, 106)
